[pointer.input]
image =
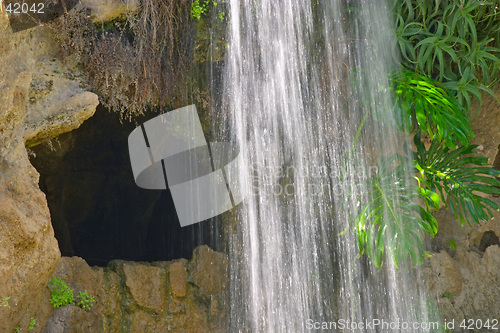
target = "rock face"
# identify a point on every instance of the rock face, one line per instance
(57, 103)
(29, 251)
(142, 297)
(466, 281)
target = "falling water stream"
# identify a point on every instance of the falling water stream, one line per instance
(307, 103)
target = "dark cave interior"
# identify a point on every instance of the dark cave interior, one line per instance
(97, 211)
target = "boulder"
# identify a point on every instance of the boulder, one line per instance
(57, 103)
(209, 269)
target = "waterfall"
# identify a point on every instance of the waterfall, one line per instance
(306, 100)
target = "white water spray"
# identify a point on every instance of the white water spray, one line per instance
(308, 105)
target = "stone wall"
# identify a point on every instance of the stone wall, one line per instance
(173, 296)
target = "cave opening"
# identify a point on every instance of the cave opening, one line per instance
(488, 239)
(496, 162)
(97, 211)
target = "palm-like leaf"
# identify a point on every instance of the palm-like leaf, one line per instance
(390, 219)
(426, 104)
(457, 176)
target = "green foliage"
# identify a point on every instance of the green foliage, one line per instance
(425, 103)
(105, 26)
(452, 41)
(60, 293)
(200, 8)
(458, 177)
(32, 324)
(86, 301)
(449, 55)
(434, 315)
(5, 302)
(390, 218)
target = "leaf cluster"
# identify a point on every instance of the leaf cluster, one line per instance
(32, 324)
(448, 52)
(452, 41)
(458, 176)
(449, 171)
(5, 302)
(426, 106)
(390, 218)
(62, 295)
(201, 8)
(86, 301)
